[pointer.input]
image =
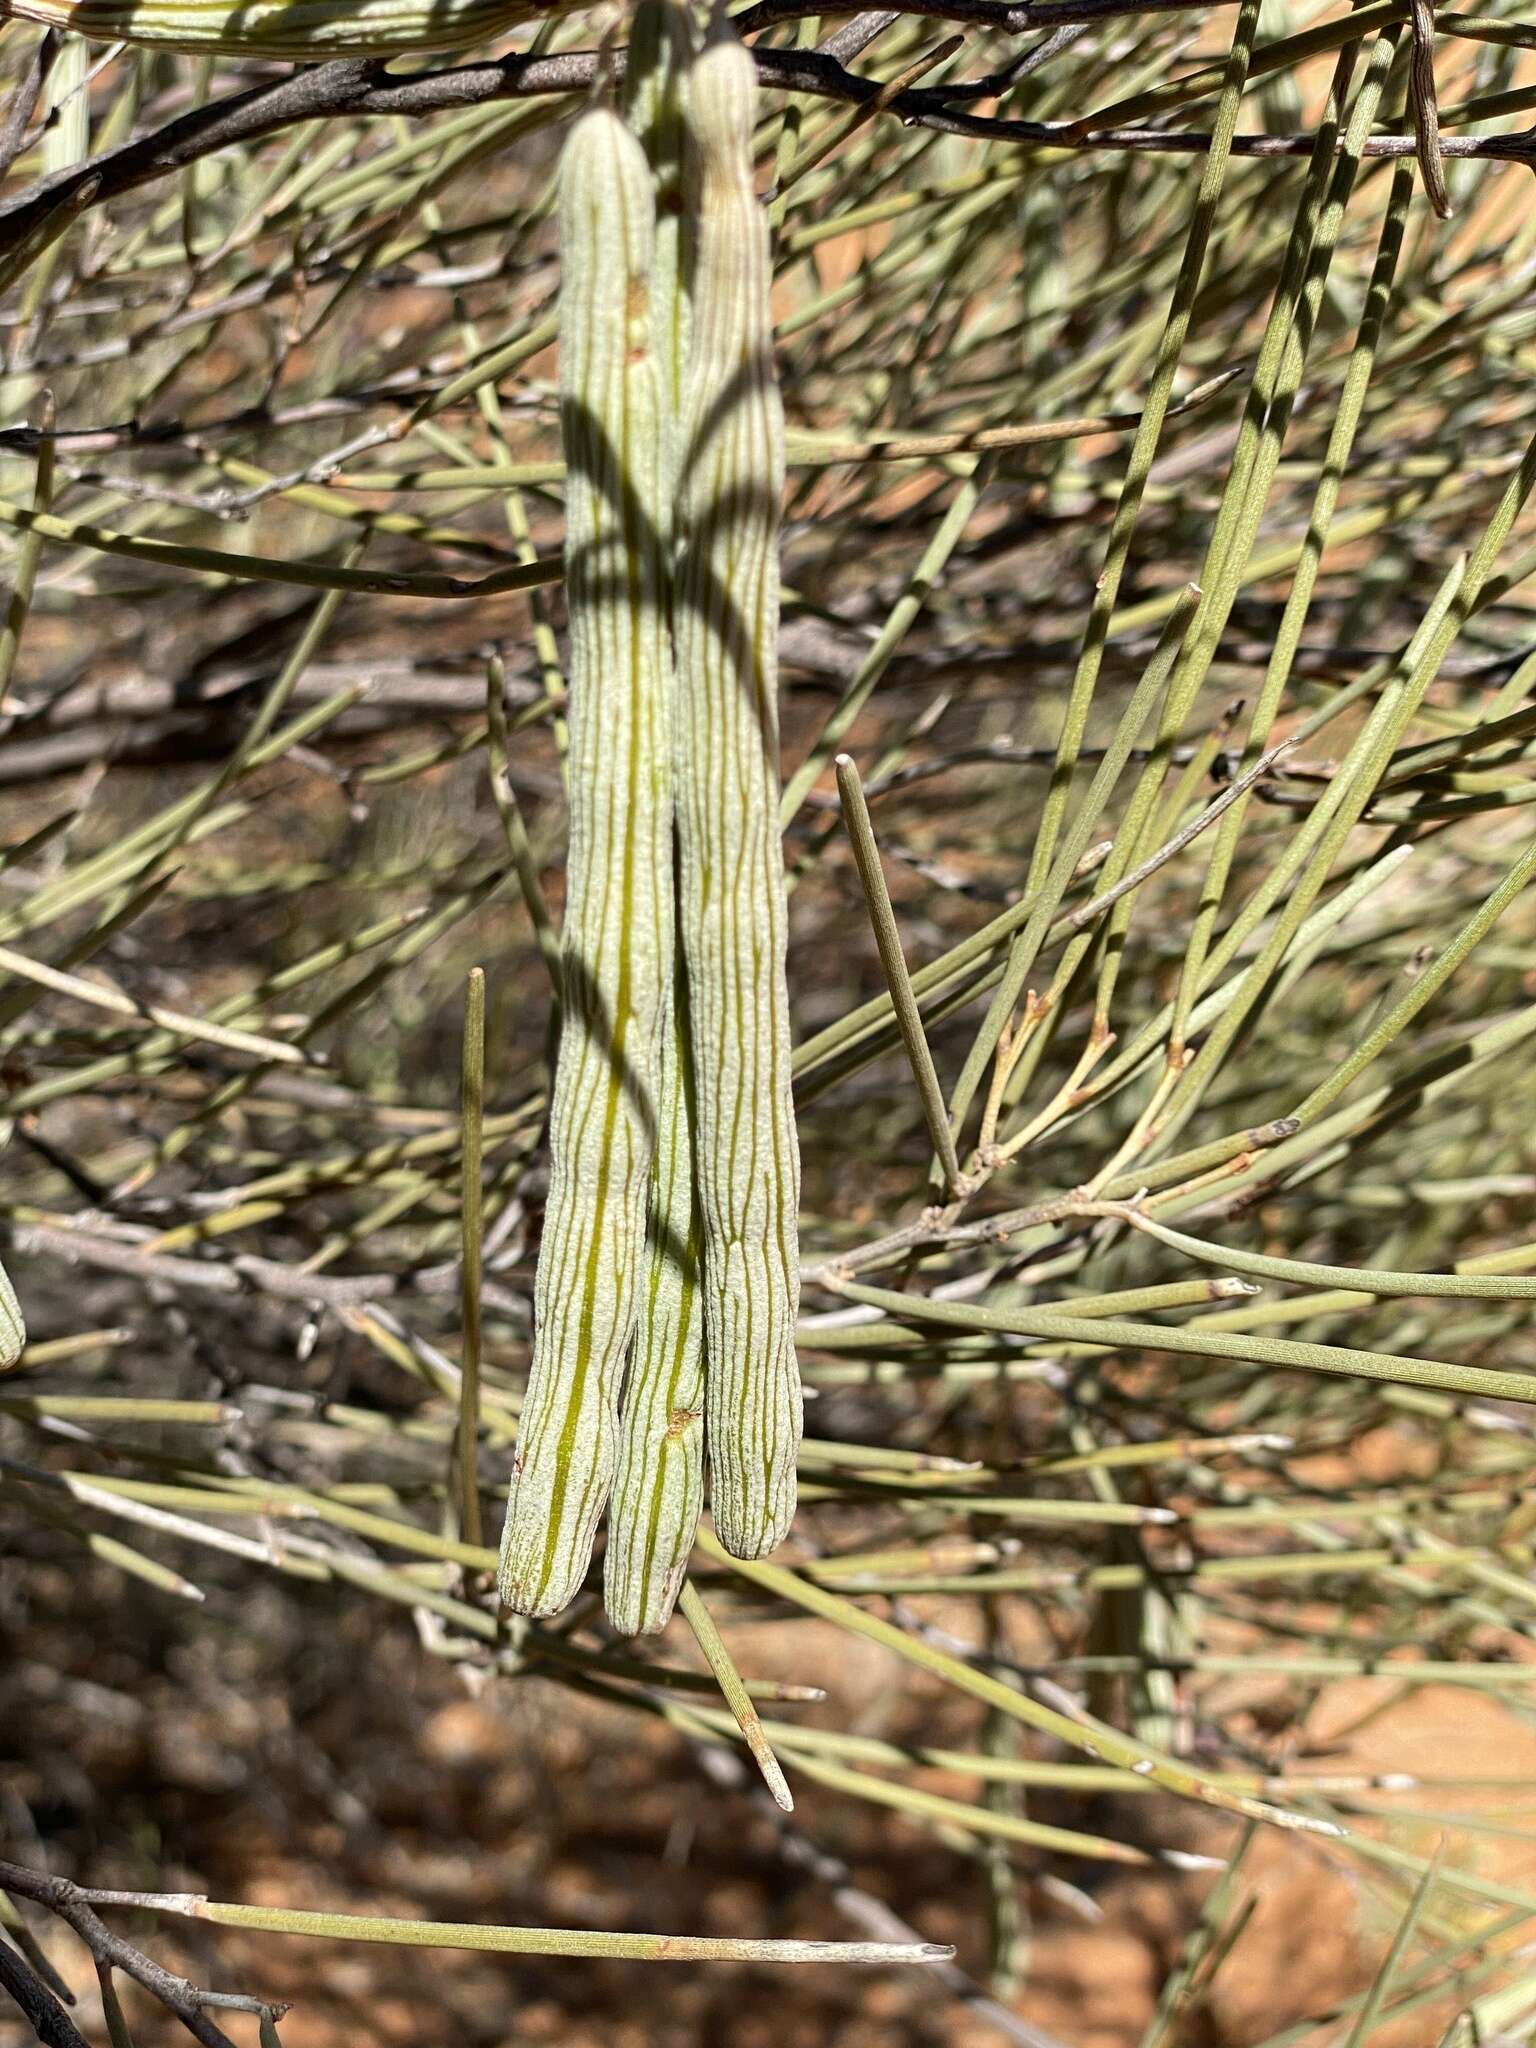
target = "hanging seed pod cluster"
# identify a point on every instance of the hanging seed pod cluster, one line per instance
(668, 1276)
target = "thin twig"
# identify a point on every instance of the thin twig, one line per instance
(357, 86)
(57, 1895)
(1075, 920)
(473, 1115)
(105, 997)
(737, 1698)
(909, 1022)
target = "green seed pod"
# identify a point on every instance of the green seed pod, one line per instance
(733, 916)
(658, 1490)
(283, 28)
(659, 1486)
(13, 1328)
(655, 89)
(617, 949)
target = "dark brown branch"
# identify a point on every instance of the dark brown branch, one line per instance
(69, 1903)
(993, 14)
(358, 87)
(39, 2008)
(322, 92)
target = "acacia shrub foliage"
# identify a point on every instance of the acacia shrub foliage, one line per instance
(1167, 1234)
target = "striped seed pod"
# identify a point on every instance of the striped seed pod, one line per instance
(13, 1329)
(732, 894)
(659, 1484)
(284, 28)
(617, 952)
(655, 91)
(658, 1489)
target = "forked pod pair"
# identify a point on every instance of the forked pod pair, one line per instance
(668, 1278)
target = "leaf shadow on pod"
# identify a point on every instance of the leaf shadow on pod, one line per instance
(714, 597)
(600, 461)
(602, 574)
(744, 387)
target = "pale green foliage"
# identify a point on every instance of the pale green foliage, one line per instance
(1122, 449)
